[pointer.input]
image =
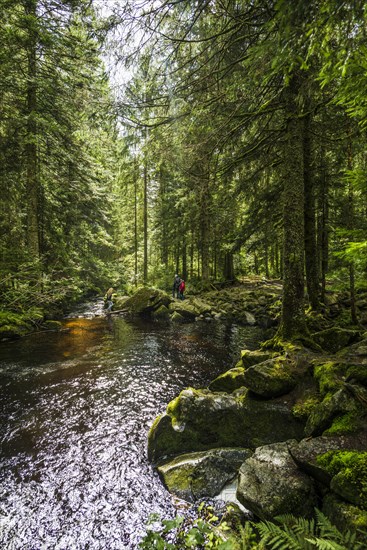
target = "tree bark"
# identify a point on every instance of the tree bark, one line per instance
(312, 278)
(292, 318)
(145, 222)
(31, 154)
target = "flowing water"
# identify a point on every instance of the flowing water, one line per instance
(76, 410)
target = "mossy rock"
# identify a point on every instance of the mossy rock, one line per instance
(119, 301)
(194, 476)
(357, 374)
(334, 339)
(229, 381)
(161, 313)
(199, 420)
(338, 414)
(200, 306)
(271, 484)
(184, 308)
(271, 378)
(356, 353)
(311, 454)
(330, 376)
(349, 474)
(345, 515)
(253, 357)
(146, 300)
(177, 317)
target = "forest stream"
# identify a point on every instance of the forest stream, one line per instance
(77, 407)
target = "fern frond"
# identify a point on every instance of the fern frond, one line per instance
(278, 537)
(327, 529)
(325, 544)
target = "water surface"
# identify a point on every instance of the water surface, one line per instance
(76, 410)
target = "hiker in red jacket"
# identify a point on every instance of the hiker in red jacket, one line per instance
(181, 290)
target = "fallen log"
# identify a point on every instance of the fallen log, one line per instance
(117, 311)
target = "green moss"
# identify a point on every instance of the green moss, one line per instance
(329, 376)
(357, 373)
(345, 424)
(352, 465)
(304, 407)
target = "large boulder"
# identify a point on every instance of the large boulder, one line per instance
(229, 381)
(146, 300)
(194, 476)
(345, 515)
(184, 308)
(341, 413)
(335, 338)
(306, 452)
(272, 378)
(199, 420)
(270, 484)
(253, 357)
(357, 353)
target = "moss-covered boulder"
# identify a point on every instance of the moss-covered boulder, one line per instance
(200, 306)
(271, 378)
(339, 414)
(330, 376)
(184, 308)
(177, 317)
(194, 476)
(308, 453)
(356, 353)
(200, 420)
(146, 300)
(162, 313)
(356, 374)
(229, 381)
(271, 484)
(348, 469)
(335, 338)
(345, 515)
(253, 357)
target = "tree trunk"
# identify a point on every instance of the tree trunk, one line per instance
(323, 231)
(292, 318)
(350, 225)
(32, 183)
(312, 278)
(204, 224)
(136, 175)
(145, 222)
(228, 270)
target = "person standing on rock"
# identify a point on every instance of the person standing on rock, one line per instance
(181, 290)
(176, 284)
(108, 299)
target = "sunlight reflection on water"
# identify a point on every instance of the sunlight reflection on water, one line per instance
(77, 407)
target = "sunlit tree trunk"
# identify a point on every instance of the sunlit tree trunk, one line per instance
(145, 223)
(292, 318)
(32, 183)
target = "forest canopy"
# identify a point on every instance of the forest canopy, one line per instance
(215, 139)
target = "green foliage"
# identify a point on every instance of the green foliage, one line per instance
(353, 466)
(206, 531)
(302, 409)
(330, 376)
(288, 533)
(303, 534)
